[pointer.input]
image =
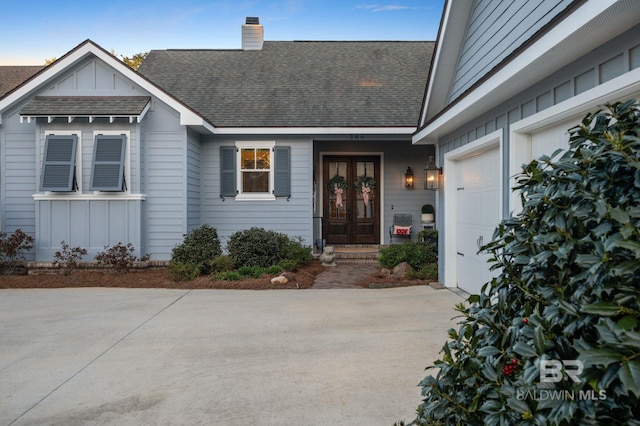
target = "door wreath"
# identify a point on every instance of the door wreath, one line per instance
(337, 185)
(365, 185)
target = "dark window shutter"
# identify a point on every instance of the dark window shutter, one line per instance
(282, 169)
(107, 170)
(58, 167)
(228, 171)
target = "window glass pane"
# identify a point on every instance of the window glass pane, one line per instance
(263, 158)
(248, 159)
(338, 197)
(255, 182)
(365, 196)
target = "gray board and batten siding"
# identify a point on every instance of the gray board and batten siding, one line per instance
(495, 30)
(613, 59)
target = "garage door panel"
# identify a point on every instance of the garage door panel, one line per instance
(546, 141)
(478, 213)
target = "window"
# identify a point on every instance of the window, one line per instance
(107, 170)
(255, 171)
(59, 163)
(255, 166)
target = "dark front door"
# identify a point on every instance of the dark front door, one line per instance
(351, 202)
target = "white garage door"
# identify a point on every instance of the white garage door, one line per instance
(546, 141)
(478, 211)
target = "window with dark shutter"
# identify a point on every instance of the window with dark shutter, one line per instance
(228, 171)
(107, 170)
(59, 163)
(282, 181)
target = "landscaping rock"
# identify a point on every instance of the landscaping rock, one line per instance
(289, 276)
(281, 279)
(402, 270)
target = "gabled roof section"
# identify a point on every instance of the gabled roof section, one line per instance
(299, 83)
(569, 34)
(88, 48)
(12, 76)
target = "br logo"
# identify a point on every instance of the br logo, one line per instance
(551, 370)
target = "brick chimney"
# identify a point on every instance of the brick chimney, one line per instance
(252, 34)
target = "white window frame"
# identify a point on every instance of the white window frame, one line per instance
(127, 155)
(252, 196)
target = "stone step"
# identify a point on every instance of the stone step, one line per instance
(357, 253)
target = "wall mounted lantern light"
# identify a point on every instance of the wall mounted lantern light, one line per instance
(432, 174)
(408, 178)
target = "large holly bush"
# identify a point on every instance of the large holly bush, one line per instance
(568, 290)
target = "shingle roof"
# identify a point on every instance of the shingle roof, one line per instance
(86, 105)
(299, 83)
(12, 76)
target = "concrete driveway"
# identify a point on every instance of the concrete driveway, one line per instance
(165, 357)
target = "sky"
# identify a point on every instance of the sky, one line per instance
(34, 31)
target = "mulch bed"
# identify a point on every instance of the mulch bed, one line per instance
(154, 278)
(304, 278)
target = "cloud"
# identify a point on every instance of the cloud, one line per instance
(386, 7)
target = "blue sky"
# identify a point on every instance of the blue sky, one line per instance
(37, 30)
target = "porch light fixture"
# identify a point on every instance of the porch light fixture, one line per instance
(432, 175)
(408, 178)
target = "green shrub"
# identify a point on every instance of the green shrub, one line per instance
(428, 271)
(288, 265)
(251, 271)
(415, 254)
(255, 247)
(567, 290)
(227, 276)
(260, 247)
(199, 247)
(183, 271)
(221, 263)
(273, 270)
(295, 250)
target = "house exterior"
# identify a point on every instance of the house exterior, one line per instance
(508, 80)
(94, 153)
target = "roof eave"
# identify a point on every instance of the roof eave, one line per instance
(402, 131)
(573, 38)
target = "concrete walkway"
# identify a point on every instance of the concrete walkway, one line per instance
(148, 356)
